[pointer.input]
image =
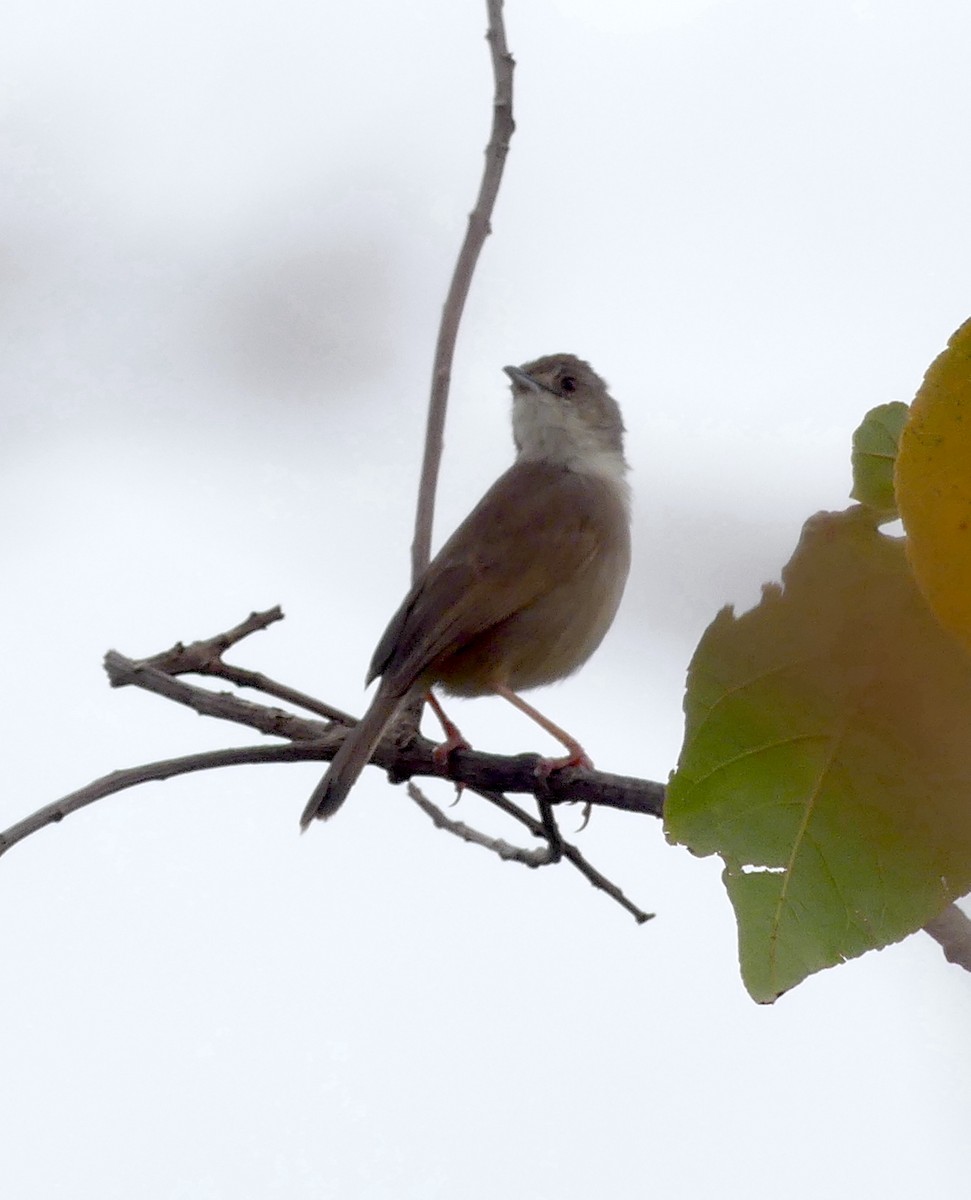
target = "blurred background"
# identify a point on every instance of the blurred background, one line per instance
(225, 237)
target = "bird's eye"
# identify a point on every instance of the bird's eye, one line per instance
(568, 384)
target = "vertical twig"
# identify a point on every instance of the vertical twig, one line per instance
(478, 230)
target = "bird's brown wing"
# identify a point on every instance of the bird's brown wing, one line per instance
(534, 526)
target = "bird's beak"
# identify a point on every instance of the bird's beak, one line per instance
(521, 379)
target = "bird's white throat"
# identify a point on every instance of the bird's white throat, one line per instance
(546, 430)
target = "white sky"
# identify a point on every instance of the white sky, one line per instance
(225, 234)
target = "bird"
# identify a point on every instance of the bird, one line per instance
(525, 589)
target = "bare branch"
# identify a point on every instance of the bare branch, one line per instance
(258, 682)
(475, 236)
(603, 884)
(118, 781)
(402, 753)
(197, 655)
(539, 857)
(542, 856)
(952, 929)
(205, 658)
(124, 671)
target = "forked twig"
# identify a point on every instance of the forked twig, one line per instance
(205, 658)
(540, 857)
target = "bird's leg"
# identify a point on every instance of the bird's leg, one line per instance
(453, 735)
(577, 756)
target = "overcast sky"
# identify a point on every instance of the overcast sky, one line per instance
(225, 235)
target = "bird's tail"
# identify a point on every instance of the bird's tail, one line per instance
(352, 757)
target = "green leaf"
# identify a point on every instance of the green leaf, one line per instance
(874, 453)
(827, 757)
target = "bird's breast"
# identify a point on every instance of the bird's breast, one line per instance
(556, 632)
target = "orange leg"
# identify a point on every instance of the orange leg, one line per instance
(453, 735)
(577, 756)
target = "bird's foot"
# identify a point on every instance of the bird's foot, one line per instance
(545, 767)
(444, 750)
(577, 758)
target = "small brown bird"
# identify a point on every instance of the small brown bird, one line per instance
(524, 590)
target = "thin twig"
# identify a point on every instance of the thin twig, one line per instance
(204, 657)
(539, 857)
(603, 884)
(475, 236)
(258, 682)
(196, 656)
(535, 858)
(119, 781)
(124, 671)
(551, 831)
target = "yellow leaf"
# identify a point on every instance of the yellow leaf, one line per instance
(933, 486)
